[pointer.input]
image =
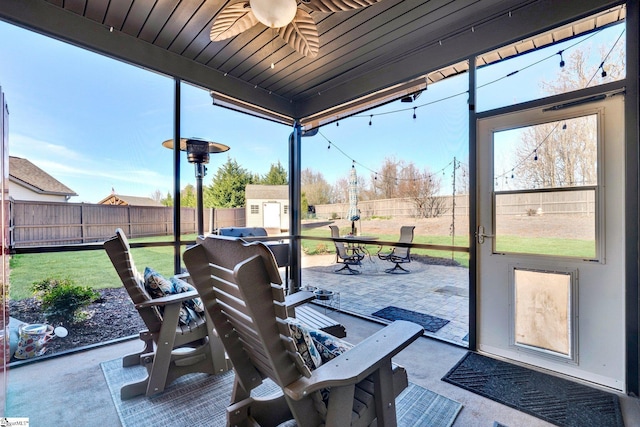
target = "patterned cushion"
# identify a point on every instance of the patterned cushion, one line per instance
(158, 286)
(304, 343)
(179, 286)
(316, 347)
(327, 345)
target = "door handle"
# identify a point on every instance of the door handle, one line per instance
(480, 235)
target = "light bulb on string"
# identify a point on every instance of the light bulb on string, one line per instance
(535, 154)
(561, 59)
(337, 124)
(564, 126)
(414, 112)
(604, 73)
(370, 119)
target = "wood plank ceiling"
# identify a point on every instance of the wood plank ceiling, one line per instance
(362, 52)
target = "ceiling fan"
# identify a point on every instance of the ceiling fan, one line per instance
(294, 24)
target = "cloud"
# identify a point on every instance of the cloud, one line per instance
(84, 174)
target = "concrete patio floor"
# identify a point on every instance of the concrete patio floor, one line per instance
(71, 390)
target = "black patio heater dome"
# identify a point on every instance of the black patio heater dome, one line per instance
(198, 151)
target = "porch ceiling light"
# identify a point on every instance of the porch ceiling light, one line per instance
(274, 13)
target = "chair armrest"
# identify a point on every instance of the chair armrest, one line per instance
(358, 363)
(169, 299)
(184, 276)
(298, 298)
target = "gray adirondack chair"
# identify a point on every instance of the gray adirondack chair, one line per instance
(170, 349)
(249, 310)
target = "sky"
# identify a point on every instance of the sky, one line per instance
(97, 124)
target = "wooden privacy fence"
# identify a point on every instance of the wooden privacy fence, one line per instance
(395, 208)
(565, 202)
(35, 223)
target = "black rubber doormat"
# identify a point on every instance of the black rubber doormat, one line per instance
(556, 400)
(428, 322)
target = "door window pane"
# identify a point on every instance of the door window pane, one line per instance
(545, 182)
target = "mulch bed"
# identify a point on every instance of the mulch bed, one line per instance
(112, 316)
(426, 259)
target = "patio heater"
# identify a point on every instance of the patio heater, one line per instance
(198, 151)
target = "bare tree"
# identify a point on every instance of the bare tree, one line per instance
(340, 191)
(564, 153)
(315, 186)
(157, 196)
(385, 182)
(422, 188)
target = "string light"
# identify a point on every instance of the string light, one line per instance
(534, 153)
(375, 173)
(512, 73)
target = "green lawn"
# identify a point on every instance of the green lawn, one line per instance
(85, 268)
(93, 268)
(311, 247)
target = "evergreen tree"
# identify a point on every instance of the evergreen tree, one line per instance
(188, 196)
(227, 189)
(168, 200)
(277, 175)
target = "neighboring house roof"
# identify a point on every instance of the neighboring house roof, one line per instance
(25, 173)
(271, 192)
(119, 199)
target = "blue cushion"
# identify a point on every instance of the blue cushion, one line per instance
(158, 286)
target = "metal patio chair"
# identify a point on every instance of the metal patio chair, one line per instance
(399, 254)
(346, 255)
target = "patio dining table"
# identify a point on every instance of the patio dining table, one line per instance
(359, 243)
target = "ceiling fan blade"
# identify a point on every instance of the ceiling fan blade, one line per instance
(302, 34)
(232, 20)
(337, 5)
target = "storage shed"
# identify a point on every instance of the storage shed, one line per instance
(267, 206)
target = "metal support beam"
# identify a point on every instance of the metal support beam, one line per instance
(473, 200)
(632, 199)
(177, 267)
(295, 215)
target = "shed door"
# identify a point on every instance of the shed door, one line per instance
(271, 215)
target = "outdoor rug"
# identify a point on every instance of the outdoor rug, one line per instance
(201, 400)
(555, 400)
(428, 322)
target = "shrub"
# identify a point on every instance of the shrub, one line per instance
(62, 300)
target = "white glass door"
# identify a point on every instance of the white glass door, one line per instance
(550, 237)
